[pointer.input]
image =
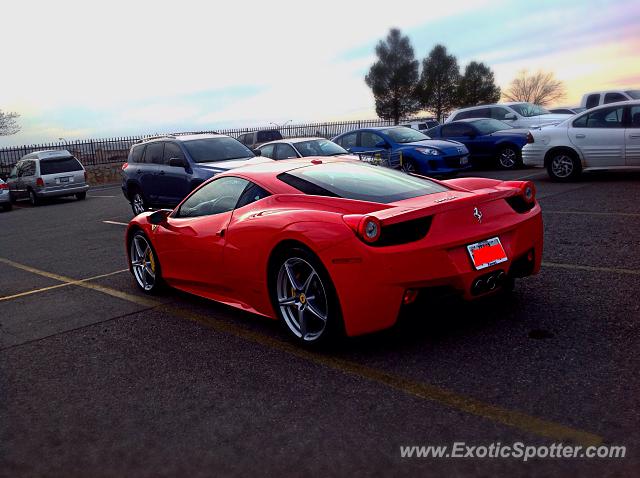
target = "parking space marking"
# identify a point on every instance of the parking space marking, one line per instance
(96, 196)
(426, 391)
(116, 223)
(593, 213)
(579, 267)
(532, 175)
(57, 286)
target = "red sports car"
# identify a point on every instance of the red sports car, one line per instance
(332, 245)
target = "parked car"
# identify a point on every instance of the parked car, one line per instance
(332, 245)
(423, 125)
(5, 196)
(161, 171)
(597, 98)
(255, 138)
(567, 111)
(47, 174)
(605, 137)
(420, 154)
(301, 147)
(518, 115)
(487, 140)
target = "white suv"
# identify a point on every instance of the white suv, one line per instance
(518, 115)
(597, 98)
(606, 137)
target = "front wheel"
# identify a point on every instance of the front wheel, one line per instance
(563, 166)
(509, 158)
(8, 206)
(138, 204)
(304, 298)
(81, 196)
(144, 263)
(409, 167)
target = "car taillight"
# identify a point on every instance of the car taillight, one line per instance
(525, 200)
(125, 166)
(530, 138)
(528, 192)
(85, 176)
(4, 186)
(367, 228)
(40, 183)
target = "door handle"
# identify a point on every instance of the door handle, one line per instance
(220, 233)
(581, 136)
(634, 136)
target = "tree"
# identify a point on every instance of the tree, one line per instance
(439, 82)
(477, 86)
(8, 124)
(393, 78)
(539, 88)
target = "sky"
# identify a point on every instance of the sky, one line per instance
(97, 68)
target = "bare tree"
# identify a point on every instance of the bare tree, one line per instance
(539, 88)
(8, 124)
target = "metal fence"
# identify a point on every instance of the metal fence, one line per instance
(95, 152)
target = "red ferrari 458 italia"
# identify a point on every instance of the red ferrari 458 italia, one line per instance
(332, 245)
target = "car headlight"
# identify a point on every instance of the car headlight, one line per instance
(428, 151)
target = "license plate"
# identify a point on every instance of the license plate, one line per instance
(63, 180)
(487, 253)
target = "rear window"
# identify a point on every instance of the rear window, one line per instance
(635, 94)
(217, 149)
(264, 136)
(59, 165)
(136, 154)
(359, 181)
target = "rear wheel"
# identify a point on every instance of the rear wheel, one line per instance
(509, 158)
(138, 204)
(8, 206)
(81, 196)
(563, 166)
(304, 298)
(33, 198)
(144, 263)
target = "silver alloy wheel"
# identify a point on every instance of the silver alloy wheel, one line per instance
(138, 204)
(562, 166)
(143, 262)
(33, 198)
(508, 158)
(408, 167)
(302, 299)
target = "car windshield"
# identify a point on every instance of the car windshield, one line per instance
(359, 181)
(529, 109)
(635, 94)
(488, 126)
(405, 135)
(319, 147)
(217, 149)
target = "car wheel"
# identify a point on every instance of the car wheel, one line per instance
(509, 158)
(33, 198)
(563, 166)
(304, 298)
(81, 196)
(409, 167)
(8, 206)
(144, 263)
(138, 204)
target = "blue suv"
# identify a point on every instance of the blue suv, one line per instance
(420, 154)
(161, 171)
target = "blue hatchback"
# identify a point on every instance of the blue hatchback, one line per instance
(420, 154)
(489, 141)
(161, 171)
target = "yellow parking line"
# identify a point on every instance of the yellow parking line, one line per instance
(591, 268)
(592, 213)
(425, 391)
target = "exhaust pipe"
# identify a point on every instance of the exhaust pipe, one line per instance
(488, 282)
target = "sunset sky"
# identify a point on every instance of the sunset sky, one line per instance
(108, 68)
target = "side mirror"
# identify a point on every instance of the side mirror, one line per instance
(177, 162)
(382, 144)
(257, 152)
(159, 217)
(510, 116)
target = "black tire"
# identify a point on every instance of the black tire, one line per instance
(509, 158)
(333, 328)
(7, 207)
(563, 166)
(138, 202)
(33, 198)
(409, 166)
(81, 196)
(158, 283)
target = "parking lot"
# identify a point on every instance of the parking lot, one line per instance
(97, 379)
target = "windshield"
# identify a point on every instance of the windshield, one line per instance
(488, 126)
(529, 109)
(217, 149)
(635, 94)
(359, 181)
(405, 135)
(319, 147)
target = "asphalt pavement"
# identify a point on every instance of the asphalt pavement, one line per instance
(97, 379)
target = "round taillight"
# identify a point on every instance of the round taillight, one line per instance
(529, 192)
(369, 229)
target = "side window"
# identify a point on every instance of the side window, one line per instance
(28, 168)
(14, 172)
(602, 118)
(267, 151)
(499, 113)
(348, 140)
(453, 130)
(613, 97)
(215, 197)
(154, 153)
(284, 151)
(137, 154)
(172, 150)
(252, 193)
(369, 140)
(593, 100)
(635, 117)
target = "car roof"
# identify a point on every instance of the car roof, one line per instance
(180, 137)
(292, 140)
(48, 154)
